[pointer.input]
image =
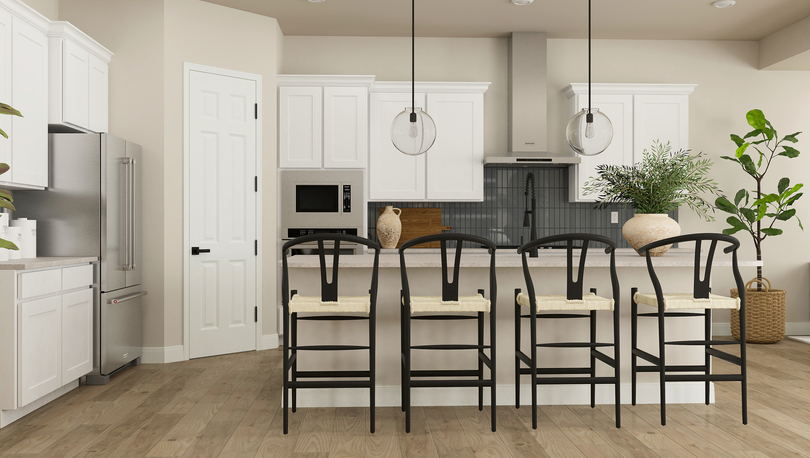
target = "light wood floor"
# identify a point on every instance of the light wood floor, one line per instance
(228, 406)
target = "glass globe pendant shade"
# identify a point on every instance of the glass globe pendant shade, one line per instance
(589, 133)
(413, 131)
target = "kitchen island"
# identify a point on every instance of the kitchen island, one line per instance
(675, 270)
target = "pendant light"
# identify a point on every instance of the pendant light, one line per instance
(590, 131)
(413, 131)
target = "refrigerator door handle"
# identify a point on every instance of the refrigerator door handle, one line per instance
(132, 214)
(126, 298)
(128, 211)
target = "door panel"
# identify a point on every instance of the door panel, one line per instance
(40, 348)
(77, 334)
(222, 204)
(113, 215)
(122, 328)
(76, 108)
(5, 84)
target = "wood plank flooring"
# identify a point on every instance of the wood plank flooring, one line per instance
(229, 407)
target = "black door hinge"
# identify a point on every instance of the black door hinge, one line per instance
(255, 314)
(256, 247)
(256, 111)
(256, 184)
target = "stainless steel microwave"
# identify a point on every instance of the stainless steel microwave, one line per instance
(315, 201)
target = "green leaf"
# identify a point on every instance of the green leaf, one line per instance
(4, 168)
(737, 140)
(753, 133)
(8, 244)
(756, 119)
(768, 198)
(769, 133)
(748, 164)
(6, 195)
(739, 196)
(3, 133)
(791, 138)
(736, 223)
(786, 215)
(723, 204)
(800, 223)
(792, 199)
(749, 214)
(741, 149)
(730, 158)
(762, 209)
(7, 110)
(772, 231)
(783, 184)
(789, 151)
(732, 230)
(7, 204)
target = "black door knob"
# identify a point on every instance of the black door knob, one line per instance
(195, 250)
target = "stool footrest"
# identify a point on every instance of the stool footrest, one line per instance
(646, 356)
(330, 347)
(444, 317)
(604, 358)
(557, 370)
(448, 383)
(444, 373)
(675, 314)
(556, 315)
(325, 374)
(331, 318)
(703, 342)
(671, 369)
(450, 347)
(704, 378)
(724, 356)
(575, 380)
(574, 345)
(329, 384)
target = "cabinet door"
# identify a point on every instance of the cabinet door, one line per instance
(392, 174)
(99, 81)
(29, 135)
(619, 109)
(660, 117)
(39, 359)
(300, 125)
(77, 335)
(345, 127)
(455, 163)
(75, 93)
(5, 85)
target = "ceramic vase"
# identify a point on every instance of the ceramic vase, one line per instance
(389, 227)
(644, 228)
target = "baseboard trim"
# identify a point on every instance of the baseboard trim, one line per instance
(791, 329)
(162, 355)
(390, 396)
(269, 342)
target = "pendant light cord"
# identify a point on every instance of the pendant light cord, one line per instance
(589, 56)
(413, 57)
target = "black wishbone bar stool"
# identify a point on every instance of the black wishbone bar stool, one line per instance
(573, 300)
(699, 298)
(336, 308)
(450, 306)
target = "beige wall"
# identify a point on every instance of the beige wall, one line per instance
(47, 8)
(136, 113)
(208, 34)
(151, 40)
(729, 84)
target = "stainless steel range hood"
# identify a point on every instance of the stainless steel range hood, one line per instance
(528, 129)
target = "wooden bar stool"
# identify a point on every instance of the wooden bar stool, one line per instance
(450, 306)
(700, 298)
(573, 300)
(337, 308)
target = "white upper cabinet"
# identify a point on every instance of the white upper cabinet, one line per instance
(78, 80)
(323, 121)
(640, 114)
(453, 168)
(24, 85)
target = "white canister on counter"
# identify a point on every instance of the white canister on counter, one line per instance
(28, 236)
(4, 235)
(15, 236)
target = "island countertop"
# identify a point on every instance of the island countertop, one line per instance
(45, 262)
(625, 257)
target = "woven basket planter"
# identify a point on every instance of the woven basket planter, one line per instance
(764, 314)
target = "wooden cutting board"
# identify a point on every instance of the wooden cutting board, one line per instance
(418, 222)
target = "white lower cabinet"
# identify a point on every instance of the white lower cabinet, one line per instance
(40, 348)
(77, 334)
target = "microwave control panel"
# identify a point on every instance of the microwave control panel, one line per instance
(347, 198)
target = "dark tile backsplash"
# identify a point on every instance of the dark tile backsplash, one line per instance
(500, 216)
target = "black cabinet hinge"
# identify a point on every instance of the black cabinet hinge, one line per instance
(255, 314)
(256, 111)
(256, 247)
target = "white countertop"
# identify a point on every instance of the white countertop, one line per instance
(676, 257)
(42, 262)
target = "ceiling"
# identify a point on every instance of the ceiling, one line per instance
(616, 19)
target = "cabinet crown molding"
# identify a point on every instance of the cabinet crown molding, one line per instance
(66, 29)
(325, 80)
(431, 87)
(23, 11)
(629, 89)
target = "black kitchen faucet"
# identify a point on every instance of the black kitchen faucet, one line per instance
(533, 212)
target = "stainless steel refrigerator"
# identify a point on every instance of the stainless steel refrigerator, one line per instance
(93, 208)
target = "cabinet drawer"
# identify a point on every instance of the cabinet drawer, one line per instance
(38, 283)
(77, 277)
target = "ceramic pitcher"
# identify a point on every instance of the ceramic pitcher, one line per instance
(389, 227)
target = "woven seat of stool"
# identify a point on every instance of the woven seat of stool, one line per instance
(344, 304)
(559, 302)
(687, 301)
(475, 303)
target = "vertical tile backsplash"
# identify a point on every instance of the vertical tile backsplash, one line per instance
(500, 216)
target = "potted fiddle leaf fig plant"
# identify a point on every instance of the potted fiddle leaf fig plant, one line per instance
(757, 212)
(6, 201)
(663, 181)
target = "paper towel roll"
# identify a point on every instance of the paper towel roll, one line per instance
(15, 235)
(28, 236)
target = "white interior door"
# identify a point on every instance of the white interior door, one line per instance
(222, 204)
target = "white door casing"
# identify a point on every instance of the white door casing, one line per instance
(222, 142)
